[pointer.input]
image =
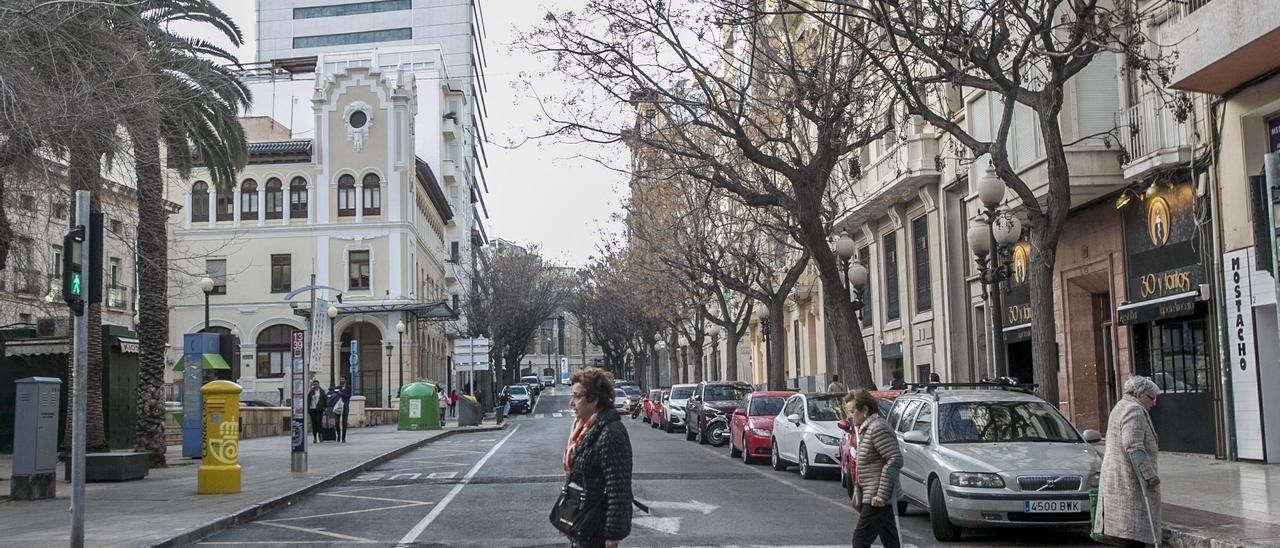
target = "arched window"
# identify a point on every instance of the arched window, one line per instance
(249, 199)
(346, 196)
(275, 199)
(298, 198)
(200, 202)
(274, 350)
(372, 195)
(226, 203)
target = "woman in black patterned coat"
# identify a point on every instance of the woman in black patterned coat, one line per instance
(598, 457)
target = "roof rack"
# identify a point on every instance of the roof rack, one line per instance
(1000, 383)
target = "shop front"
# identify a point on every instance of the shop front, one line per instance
(1016, 317)
(1168, 313)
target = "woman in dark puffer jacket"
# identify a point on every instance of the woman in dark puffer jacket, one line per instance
(598, 456)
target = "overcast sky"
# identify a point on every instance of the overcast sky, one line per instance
(539, 193)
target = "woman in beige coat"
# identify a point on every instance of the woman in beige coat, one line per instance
(1122, 512)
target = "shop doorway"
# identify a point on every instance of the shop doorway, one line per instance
(1175, 354)
(1019, 361)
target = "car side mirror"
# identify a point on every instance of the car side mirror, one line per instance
(794, 418)
(740, 412)
(917, 437)
(843, 424)
(1091, 436)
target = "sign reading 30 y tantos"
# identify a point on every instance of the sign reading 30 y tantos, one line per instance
(1164, 265)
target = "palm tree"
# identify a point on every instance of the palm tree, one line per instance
(197, 104)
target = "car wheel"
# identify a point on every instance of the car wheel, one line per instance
(806, 471)
(775, 459)
(943, 529)
(702, 436)
(746, 450)
(688, 432)
(718, 434)
(902, 507)
(653, 424)
(734, 452)
(666, 426)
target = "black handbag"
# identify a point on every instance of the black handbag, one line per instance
(575, 511)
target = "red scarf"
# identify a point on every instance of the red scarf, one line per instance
(575, 435)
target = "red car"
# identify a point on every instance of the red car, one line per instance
(751, 428)
(646, 405)
(849, 443)
(655, 407)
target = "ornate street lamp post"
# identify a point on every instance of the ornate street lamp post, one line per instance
(390, 347)
(762, 315)
(206, 285)
(332, 312)
(400, 328)
(991, 238)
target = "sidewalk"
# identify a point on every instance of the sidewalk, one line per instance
(1210, 503)
(165, 507)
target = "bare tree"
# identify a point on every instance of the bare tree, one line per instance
(523, 291)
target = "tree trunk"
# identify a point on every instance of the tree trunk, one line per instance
(84, 171)
(696, 347)
(1044, 242)
(731, 339)
(846, 331)
(777, 347)
(153, 299)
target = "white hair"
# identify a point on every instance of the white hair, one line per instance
(1138, 385)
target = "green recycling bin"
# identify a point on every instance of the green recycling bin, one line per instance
(419, 407)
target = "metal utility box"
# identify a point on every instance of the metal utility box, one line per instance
(35, 440)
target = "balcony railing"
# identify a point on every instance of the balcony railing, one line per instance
(905, 162)
(1148, 128)
(449, 170)
(117, 297)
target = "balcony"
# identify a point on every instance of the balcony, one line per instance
(1152, 137)
(893, 178)
(449, 128)
(1222, 44)
(449, 171)
(118, 297)
(451, 270)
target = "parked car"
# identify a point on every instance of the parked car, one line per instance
(805, 433)
(634, 397)
(518, 395)
(751, 429)
(992, 456)
(531, 381)
(652, 398)
(548, 381)
(658, 412)
(849, 441)
(674, 416)
(710, 400)
(619, 398)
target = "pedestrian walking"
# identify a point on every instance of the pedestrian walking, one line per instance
(1129, 489)
(597, 459)
(504, 405)
(443, 401)
(317, 401)
(453, 403)
(342, 408)
(878, 464)
(835, 387)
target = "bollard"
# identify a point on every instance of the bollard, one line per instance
(220, 464)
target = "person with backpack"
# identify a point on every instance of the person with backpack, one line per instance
(341, 407)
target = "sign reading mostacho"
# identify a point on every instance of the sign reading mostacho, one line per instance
(1163, 262)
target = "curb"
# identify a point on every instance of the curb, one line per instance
(260, 509)
(1177, 536)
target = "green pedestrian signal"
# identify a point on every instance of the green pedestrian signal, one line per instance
(75, 284)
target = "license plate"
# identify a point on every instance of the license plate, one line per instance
(1052, 506)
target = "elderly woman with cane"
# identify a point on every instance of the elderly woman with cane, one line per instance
(1129, 490)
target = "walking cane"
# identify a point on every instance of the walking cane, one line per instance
(1136, 459)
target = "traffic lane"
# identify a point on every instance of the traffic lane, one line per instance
(915, 526)
(378, 506)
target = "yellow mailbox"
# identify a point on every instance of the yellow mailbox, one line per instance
(220, 465)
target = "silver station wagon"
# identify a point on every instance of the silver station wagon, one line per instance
(987, 455)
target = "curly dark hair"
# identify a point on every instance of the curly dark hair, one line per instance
(862, 399)
(598, 384)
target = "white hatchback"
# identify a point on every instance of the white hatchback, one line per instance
(805, 433)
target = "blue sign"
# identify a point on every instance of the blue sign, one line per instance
(353, 357)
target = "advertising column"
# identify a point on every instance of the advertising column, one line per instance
(297, 404)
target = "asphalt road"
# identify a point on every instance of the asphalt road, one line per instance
(495, 489)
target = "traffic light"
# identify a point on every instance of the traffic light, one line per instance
(75, 290)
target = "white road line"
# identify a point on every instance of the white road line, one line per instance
(844, 506)
(413, 534)
(557, 415)
(370, 498)
(540, 416)
(316, 532)
(348, 512)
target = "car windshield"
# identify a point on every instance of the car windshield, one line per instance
(985, 422)
(655, 394)
(517, 390)
(618, 393)
(885, 405)
(529, 379)
(766, 406)
(724, 392)
(828, 408)
(631, 390)
(681, 393)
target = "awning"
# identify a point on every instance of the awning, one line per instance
(1171, 306)
(37, 347)
(211, 361)
(127, 345)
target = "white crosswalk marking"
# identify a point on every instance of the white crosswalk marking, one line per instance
(540, 416)
(557, 415)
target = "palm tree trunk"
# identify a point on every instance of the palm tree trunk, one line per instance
(84, 173)
(153, 306)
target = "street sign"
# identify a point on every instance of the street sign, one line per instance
(353, 357)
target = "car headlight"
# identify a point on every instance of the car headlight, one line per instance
(829, 440)
(1094, 479)
(761, 432)
(976, 479)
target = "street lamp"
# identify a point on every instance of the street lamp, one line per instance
(332, 313)
(400, 329)
(390, 347)
(845, 248)
(206, 285)
(991, 237)
(856, 276)
(762, 315)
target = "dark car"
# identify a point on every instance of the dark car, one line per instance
(710, 400)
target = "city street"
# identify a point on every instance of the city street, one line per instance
(495, 489)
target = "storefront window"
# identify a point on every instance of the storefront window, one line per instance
(1174, 355)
